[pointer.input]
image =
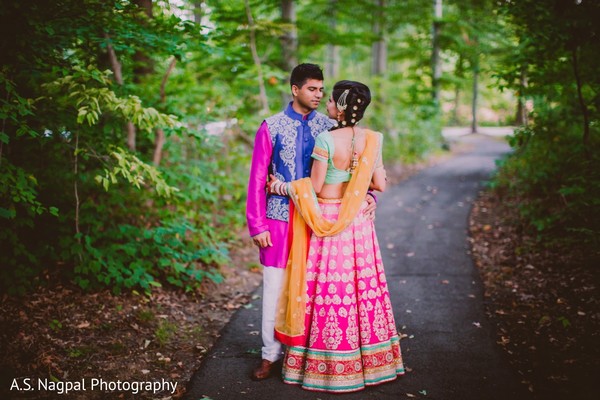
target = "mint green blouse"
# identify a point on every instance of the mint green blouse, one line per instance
(323, 151)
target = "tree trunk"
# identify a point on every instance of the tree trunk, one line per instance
(261, 81)
(114, 61)
(459, 73)
(379, 51)
(143, 65)
(160, 139)
(456, 104)
(289, 43)
(332, 59)
(584, 109)
(131, 136)
(521, 115)
(289, 38)
(116, 67)
(436, 64)
(198, 11)
(332, 67)
(475, 94)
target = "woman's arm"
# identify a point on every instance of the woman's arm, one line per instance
(378, 182)
(317, 175)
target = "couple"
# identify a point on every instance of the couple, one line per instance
(325, 294)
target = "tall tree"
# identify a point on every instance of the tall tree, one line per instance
(475, 92)
(379, 49)
(289, 38)
(143, 65)
(333, 50)
(257, 62)
(521, 114)
(436, 62)
(160, 138)
(198, 12)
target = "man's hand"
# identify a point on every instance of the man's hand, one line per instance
(370, 208)
(270, 182)
(263, 239)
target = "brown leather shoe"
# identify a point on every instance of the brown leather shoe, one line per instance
(263, 371)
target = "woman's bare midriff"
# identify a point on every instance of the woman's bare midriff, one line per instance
(333, 190)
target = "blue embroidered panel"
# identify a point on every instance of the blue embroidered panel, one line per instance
(293, 139)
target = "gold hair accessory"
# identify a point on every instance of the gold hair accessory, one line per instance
(341, 103)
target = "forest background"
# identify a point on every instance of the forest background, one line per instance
(127, 126)
(126, 129)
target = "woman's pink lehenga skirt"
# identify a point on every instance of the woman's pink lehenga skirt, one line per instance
(352, 341)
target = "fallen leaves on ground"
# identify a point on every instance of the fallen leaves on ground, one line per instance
(61, 333)
(544, 301)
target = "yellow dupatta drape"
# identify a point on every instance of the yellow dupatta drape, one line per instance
(291, 309)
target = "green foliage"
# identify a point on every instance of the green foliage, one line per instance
(82, 200)
(74, 203)
(55, 325)
(134, 171)
(554, 175)
(88, 91)
(155, 255)
(554, 185)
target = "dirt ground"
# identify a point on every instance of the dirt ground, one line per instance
(59, 333)
(544, 301)
(545, 305)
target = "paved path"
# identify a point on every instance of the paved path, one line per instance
(436, 292)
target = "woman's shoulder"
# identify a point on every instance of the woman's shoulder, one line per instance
(324, 140)
(324, 136)
(370, 132)
(341, 132)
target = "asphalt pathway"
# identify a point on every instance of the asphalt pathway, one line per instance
(450, 349)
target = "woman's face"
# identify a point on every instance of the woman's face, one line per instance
(332, 108)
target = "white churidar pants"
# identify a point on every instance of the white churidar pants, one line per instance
(272, 281)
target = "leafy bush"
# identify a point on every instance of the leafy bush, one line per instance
(552, 181)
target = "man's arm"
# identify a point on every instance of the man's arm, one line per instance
(256, 202)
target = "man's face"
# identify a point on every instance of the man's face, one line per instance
(332, 109)
(309, 96)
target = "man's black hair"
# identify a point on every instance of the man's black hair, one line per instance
(304, 72)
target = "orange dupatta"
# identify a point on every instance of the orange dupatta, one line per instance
(291, 309)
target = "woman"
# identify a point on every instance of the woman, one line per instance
(335, 313)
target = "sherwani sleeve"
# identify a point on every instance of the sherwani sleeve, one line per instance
(256, 202)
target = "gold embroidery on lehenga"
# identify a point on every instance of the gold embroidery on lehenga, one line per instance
(379, 324)
(352, 329)
(365, 325)
(332, 334)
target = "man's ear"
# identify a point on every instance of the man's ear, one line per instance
(295, 90)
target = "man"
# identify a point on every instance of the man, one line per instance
(282, 147)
